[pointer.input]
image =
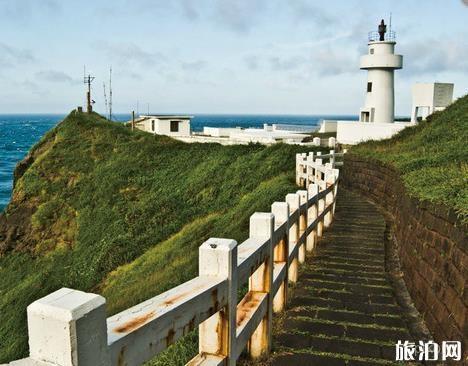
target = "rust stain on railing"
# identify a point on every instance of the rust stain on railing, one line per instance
(180, 296)
(121, 359)
(170, 337)
(245, 307)
(135, 323)
(214, 301)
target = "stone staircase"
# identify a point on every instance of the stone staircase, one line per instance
(343, 311)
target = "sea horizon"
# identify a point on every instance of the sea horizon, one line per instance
(20, 131)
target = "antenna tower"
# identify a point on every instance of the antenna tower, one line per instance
(110, 94)
(105, 97)
(88, 80)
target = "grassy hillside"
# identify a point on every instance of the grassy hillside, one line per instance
(98, 208)
(432, 157)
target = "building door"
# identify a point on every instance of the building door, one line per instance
(365, 116)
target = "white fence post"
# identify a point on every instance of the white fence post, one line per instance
(335, 190)
(332, 157)
(303, 197)
(330, 197)
(310, 169)
(301, 169)
(311, 216)
(293, 200)
(281, 253)
(318, 173)
(218, 257)
(68, 328)
(262, 227)
(298, 176)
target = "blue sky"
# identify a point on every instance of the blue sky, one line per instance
(221, 56)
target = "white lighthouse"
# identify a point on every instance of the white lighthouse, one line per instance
(380, 62)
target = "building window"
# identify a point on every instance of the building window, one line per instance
(369, 87)
(174, 126)
(152, 125)
(371, 51)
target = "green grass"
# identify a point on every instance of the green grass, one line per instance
(432, 157)
(123, 214)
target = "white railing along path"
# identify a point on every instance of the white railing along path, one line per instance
(70, 328)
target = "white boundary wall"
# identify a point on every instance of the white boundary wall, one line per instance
(351, 133)
(70, 328)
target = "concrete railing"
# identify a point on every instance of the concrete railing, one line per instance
(310, 168)
(70, 327)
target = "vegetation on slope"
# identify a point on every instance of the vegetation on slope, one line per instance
(431, 156)
(97, 207)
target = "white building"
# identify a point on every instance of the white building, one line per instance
(430, 97)
(269, 134)
(380, 62)
(169, 125)
(377, 117)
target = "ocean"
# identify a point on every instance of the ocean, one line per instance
(19, 132)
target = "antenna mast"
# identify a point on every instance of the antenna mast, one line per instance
(390, 24)
(110, 94)
(105, 96)
(88, 80)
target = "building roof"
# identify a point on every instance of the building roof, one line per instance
(165, 116)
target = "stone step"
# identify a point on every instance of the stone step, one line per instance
(343, 272)
(341, 346)
(341, 329)
(349, 317)
(358, 288)
(306, 359)
(374, 261)
(350, 267)
(345, 278)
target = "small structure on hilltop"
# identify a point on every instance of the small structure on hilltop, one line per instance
(87, 80)
(169, 125)
(267, 135)
(429, 98)
(179, 128)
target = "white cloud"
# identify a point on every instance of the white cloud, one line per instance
(433, 56)
(55, 77)
(10, 56)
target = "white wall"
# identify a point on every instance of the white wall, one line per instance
(219, 131)
(431, 96)
(144, 126)
(328, 126)
(351, 133)
(163, 127)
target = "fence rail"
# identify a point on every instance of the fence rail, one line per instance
(69, 327)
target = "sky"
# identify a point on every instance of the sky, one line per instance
(221, 56)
